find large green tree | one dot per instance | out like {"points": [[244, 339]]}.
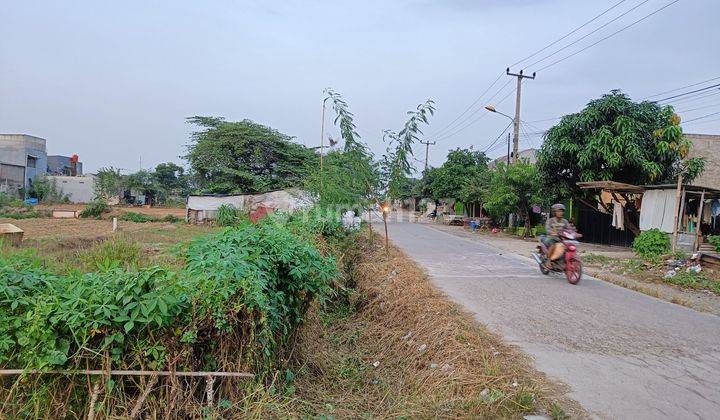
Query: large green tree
{"points": [[614, 139], [514, 189], [245, 157], [462, 176]]}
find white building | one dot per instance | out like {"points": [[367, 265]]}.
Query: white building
{"points": [[79, 189]]}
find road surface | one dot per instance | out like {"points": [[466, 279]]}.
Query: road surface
{"points": [[624, 354]]}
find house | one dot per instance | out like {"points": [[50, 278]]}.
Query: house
{"points": [[203, 208], [64, 165], [707, 146], [22, 159], [528, 154], [78, 189]]}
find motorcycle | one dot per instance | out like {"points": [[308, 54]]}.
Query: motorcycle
{"points": [[569, 263]]}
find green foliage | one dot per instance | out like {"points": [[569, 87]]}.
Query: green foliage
{"points": [[251, 283], [114, 253], [651, 243], [109, 183], [95, 209], [463, 176], [227, 215], [396, 163], [513, 188], [616, 139], [245, 157], [46, 190], [169, 218], [697, 281], [136, 217], [715, 241]]}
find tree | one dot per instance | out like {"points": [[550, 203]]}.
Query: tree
{"points": [[245, 157], [170, 179], [514, 189], [462, 176], [109, 183], [615, 139]]}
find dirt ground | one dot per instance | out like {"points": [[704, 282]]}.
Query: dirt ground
{"points": [[158, 212]]}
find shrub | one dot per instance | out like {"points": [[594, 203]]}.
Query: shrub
{"points": [[95, 209], [715, 240], [651, 243], [114, 253], [227, 215], [136, 217], [171, 218]]}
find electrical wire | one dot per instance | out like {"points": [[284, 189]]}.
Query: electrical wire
{"points": [[567, 34], [474, 121], [687, 93], [700, 107], [498, 138], [609, 36], [586, 35], [696, 97], [437, 133], [705, 121], [680, 88], [703, 117]]}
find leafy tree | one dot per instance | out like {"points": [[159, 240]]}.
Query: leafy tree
{"points": [[349, 177], [245, 157], [463, 176], [613, 138], [514, 189], [109, 183]]}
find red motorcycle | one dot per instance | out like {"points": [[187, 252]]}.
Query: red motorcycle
{"points": [[569, 263]]}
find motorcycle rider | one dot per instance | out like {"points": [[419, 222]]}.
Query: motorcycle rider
{"points": [[554, 225]]}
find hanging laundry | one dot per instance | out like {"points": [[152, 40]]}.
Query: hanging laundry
{"points": [[618, 219], [707, 213]]}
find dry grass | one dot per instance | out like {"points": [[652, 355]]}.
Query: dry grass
{"points": [[402, 349]]}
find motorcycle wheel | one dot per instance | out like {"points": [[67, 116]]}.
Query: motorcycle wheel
{"points": [[574, 271]]}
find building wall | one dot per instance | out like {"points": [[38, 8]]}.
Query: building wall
{"points": [[707, 146], [60, 165], [15, 149], [79, 189]]}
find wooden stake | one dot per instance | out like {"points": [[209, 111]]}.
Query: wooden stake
{"points": [[209, 391], [678, 195], [138, 405]]}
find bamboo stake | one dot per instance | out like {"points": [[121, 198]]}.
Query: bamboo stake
{"points": [[138, 405], [93, 400]]}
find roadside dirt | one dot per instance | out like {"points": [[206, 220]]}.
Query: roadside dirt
{"points": [[158, 212]]}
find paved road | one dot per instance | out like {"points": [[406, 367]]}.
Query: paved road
{"points": [[624, 354]]}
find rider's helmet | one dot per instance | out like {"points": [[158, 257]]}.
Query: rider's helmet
{"points": [[558, 207]]}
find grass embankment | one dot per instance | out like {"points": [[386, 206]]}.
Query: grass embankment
{"points": [[396, 347]]}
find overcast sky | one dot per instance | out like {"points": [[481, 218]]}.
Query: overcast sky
{"points": [[114, 81]]}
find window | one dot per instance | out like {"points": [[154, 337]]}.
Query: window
{"points": [[31, 161]]}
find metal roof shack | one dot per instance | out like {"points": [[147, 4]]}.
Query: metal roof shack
{"points": [[203, 208]]}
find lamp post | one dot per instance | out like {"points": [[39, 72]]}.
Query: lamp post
{"points": [[491, 108], [322, 142]]}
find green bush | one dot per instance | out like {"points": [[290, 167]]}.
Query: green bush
{"points": [[171, 218], [714, 240], [540, 230], [244, 288], [651, 244], [227, 215], [95, 209], [136, 217]]}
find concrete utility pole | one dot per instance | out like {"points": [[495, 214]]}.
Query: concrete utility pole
{"points": [[516, 120], [427, 150], [508, 156]]}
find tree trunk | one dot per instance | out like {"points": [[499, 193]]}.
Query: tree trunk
{"points": [[527, 223], [387, 239]]}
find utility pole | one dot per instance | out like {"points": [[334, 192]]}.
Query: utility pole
{"points": [[427, 150], [322, 142], [516, 120], [508, 156]]}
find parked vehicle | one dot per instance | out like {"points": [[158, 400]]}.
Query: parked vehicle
{"points": [[569, 263]]}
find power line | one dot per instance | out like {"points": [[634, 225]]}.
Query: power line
{"points": [[700, 107], [567, 35], [611, 35], [706, 121], [470, 123], [696, 97], [469, 107], [687, 93], [680, 88], [587, 35], [703, 117], [498, 138]]}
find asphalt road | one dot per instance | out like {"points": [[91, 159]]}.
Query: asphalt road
{"points": [[625, 355]]}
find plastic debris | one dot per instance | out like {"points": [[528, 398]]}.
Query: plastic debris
{"points": [[376, 363], [670, 274], [433, 366], [694, 269], [422, 347]]}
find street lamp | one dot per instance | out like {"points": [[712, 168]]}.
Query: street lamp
{"points": [[491, 108]]}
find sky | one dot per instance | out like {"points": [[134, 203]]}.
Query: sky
{"points": [[115, 81]]}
